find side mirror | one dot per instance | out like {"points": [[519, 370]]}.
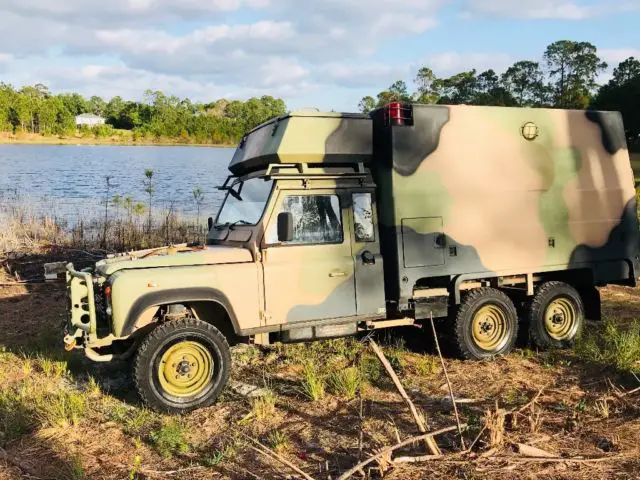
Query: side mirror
{"points": [[210, 223], [285, 227]]}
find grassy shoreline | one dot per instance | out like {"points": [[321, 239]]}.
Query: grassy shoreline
{"points": [[37, 139]]}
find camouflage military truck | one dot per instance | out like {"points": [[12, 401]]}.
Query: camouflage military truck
{"points": [[490, 219]]}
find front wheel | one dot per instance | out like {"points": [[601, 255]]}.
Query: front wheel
{"points": [[182, 365]]}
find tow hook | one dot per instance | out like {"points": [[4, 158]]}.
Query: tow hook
{"points": [[69, 345]]}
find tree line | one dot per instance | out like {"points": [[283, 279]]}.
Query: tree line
{"points": [[34, 109], [566, 78]]}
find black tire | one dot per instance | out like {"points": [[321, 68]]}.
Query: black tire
{"points": [[502, 316], [204, 344], [568, 302]]}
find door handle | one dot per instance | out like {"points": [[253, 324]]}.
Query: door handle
{"points": [[338, 273]]}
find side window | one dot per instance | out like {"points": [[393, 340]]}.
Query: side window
{"points": [[316, 219], [363, 217]]}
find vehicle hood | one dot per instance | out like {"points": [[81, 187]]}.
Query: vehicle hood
{"points": [[178, 256]]}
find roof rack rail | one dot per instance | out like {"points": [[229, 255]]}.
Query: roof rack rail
{"points": [[352, 170]]}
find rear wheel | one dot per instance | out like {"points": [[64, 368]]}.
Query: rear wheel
{"points": [[486, 324], [556, 315], [182, 365]]}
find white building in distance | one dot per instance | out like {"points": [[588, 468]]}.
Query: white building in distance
{"points": [[89, 119]]}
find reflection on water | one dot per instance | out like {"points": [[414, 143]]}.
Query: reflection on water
{"points": [[68, 181]]}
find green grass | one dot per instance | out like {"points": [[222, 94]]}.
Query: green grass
{"points": [[346, 382], [278, 441], [264, 407], [313, 381], [15, 418], [170, 438], [614, 346], [61, 408]]}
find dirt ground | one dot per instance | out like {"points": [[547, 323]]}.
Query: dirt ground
{"points": [[65, 417]]}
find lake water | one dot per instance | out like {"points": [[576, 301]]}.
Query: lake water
{"points": [[68, 181]]}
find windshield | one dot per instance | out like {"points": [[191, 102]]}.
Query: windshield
{"points": [[245, 202]]}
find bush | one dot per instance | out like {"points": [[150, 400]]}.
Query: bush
{"points": [[346, 383], [313, 383], [613, 346], [170, 439]]}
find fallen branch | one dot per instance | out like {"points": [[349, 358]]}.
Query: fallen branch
{"points": [[533, 452], [554, 459], [446, 376], [418, 459], [267, 452], [361, 432], [473, 444], [630, 392], [389, 450], [530, 402], [169, 472], [429, 441]]}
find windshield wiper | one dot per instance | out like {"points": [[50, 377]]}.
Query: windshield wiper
{"points": [[239, 222], [230, 225]]}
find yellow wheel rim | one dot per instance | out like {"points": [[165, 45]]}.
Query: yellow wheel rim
{"points": [[185, 369], [561, 319], [490, 328]]}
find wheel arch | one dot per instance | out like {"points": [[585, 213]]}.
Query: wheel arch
{"points": [[201, 299]]}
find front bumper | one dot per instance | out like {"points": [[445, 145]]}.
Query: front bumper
{"points": [[81, 308]]}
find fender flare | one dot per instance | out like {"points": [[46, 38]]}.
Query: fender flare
{"points": [[179, 295]]}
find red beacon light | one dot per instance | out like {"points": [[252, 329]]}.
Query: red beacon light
{"points": [[399, 114]]}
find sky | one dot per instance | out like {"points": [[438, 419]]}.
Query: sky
{"points": [[324, 54]]}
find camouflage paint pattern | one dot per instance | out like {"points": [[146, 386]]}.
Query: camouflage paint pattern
{"points": [[465, 192], [459, 192], [306, 137]]}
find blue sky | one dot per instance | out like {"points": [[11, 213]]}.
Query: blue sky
{"points": [[324, 54]]}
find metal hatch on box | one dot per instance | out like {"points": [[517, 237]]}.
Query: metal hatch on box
{"points": [[423, 241]]}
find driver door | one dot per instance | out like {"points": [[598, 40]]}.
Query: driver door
{"points": [[312, 276]]}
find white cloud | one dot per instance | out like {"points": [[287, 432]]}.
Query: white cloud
{"points": [[112, 80], [447, 63], [548, 9], [613, 56], [362, 75], [125, 11], [204, 48]]}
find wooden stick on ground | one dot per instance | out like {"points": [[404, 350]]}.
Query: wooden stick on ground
{"points": [[361, 427], [446, 376], [267, 452], [555, 459], [389, 450], [530, 402], [429, 441]]}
